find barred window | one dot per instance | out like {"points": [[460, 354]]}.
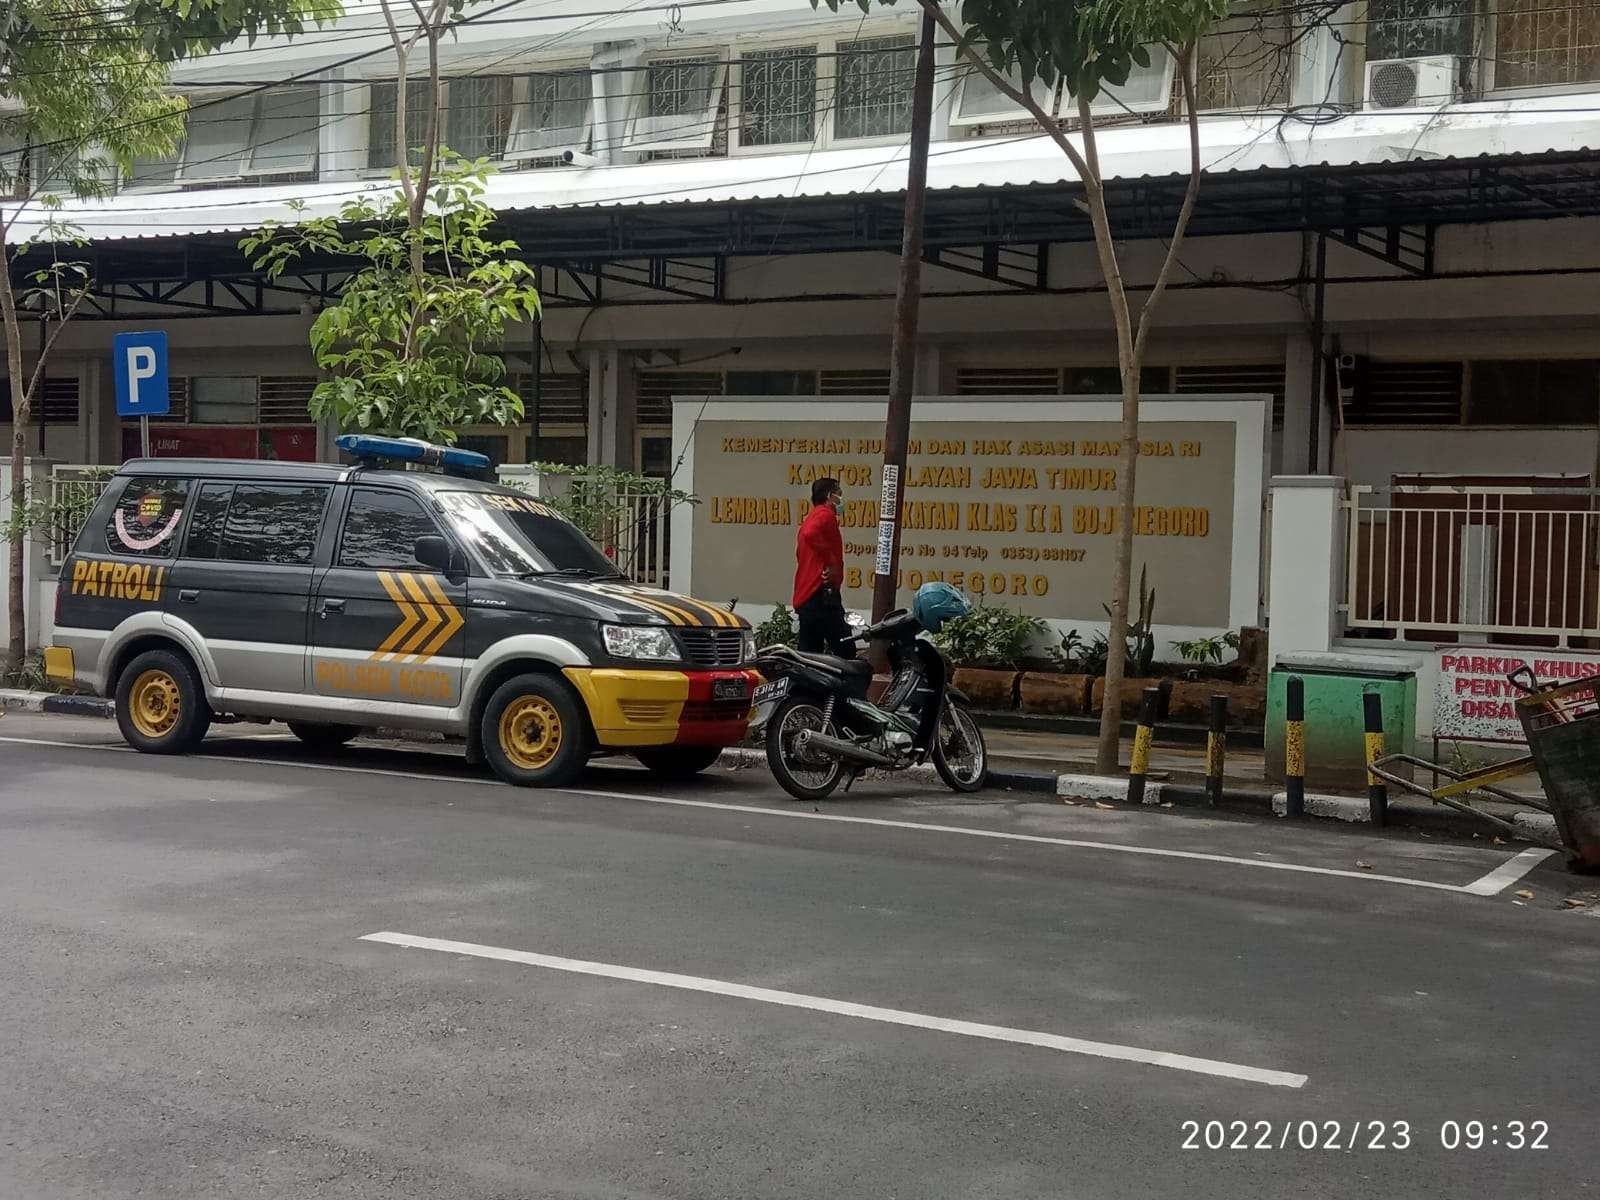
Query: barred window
{"points": [[1245, 61], [682, 99], [778, 96], [553, 114], [1418, 28], [876, 77], [1543, 42]]}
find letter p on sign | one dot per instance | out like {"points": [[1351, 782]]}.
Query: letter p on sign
{"points": [[140, 363]]}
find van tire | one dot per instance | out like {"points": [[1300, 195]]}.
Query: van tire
{"points": [[677, 763], [321, 737], [161, 706], [535, 733]]}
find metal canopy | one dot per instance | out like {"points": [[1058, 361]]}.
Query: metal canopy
{"points": [[679, 252]]}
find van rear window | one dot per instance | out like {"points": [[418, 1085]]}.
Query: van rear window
{"points": [[145, 521]]}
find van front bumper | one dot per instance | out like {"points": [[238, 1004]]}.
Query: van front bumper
{"points": [[630, 707]]}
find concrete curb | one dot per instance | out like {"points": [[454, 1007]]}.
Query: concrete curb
{"points": [[49, 702]]}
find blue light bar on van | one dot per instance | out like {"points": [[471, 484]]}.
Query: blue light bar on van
{"points": [[395, 449]]}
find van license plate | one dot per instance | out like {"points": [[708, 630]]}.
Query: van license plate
{"points": [[767, 693], [729, 689]]}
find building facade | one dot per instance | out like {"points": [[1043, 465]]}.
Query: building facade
{"points": [[1397, 238]]}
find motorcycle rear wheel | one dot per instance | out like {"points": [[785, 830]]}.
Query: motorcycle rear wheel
{"points": [[804, 778], [959, 754]]}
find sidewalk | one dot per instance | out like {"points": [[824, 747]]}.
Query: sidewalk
{"points": [[1063, 764]]}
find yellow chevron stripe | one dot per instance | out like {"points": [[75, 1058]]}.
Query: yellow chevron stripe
{"points": [[409, 616], [432, 617], [716, 616], [452, 617]]}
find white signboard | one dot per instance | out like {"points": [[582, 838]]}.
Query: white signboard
{"points": [[1474, 701]]}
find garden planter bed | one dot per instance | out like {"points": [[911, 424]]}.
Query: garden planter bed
{"points": [[1053, 694]]}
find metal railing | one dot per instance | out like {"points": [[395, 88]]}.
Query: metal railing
{"points": [[1473, 560], [632, 528], [74, 489], [636, 535]]}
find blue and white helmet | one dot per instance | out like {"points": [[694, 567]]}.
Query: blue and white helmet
{"points": [[936, 603]]}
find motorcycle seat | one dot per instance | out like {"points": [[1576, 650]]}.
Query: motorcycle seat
{"points": [[850, 668]]}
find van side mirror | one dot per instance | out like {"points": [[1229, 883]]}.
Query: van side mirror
{"points": [[431, 550]]}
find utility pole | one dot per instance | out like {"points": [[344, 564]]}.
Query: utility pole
{"points": [[903, 356]]}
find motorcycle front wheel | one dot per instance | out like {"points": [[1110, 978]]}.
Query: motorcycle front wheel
{"points": [[959, 754], [805, 777]]}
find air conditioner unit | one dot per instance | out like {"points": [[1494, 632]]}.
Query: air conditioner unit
{"points": [[1413, 82]]}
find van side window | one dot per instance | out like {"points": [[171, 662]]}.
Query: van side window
{"points": [[205, 526], [273, 523], [380, 530], [145, 521]]}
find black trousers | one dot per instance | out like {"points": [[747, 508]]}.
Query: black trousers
{"points": [[823, 627]]}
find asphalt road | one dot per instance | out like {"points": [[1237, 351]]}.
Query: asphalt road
{"points": [[898, 994]]}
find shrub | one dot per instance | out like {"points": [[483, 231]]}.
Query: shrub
{"points": [[776, 630], [989, 637]]}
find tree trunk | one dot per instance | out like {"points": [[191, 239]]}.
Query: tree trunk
{"points": [[1106, 750], [16, 532]]}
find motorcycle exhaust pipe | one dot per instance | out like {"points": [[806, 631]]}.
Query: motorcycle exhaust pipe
{"points": [[811, 740]]}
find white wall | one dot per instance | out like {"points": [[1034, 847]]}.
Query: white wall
{"points": [[1374, 456]]}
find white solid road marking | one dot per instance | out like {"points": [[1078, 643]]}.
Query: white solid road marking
{"points": [[1497, 880], [846, 1008], [1508, 872]]}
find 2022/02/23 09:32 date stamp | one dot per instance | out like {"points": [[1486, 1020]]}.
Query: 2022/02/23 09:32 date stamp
{"points": [[1352, 1135]]}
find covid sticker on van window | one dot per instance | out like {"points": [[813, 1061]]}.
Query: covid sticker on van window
{"points": [[146, 519]]}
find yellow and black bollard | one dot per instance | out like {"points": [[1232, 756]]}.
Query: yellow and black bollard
{"points": [[1377, 792], [1216, 749], [1139, 765], [1294, 746]]}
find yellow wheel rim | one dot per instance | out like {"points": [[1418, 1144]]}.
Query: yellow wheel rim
{"points": [[154, 704], [530, 732]]}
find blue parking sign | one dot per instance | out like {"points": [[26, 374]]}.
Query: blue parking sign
{"points": [[140, 360]]}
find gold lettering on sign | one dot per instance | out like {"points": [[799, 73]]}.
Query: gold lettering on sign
{"points": [[1010, 478], [942, 477], [751, 510]]}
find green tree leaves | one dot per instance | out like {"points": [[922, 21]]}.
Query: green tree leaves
{"points": [[413, 355]]}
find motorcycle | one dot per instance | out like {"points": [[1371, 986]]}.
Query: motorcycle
{"points": [[822, 730]]}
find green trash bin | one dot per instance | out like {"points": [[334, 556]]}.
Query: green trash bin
{"points": [[1335, 742]]}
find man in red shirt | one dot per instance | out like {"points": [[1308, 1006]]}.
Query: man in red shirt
{"points": [[819, 574]]}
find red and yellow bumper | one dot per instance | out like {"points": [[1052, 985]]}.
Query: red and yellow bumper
{"points": [[664, 708]]}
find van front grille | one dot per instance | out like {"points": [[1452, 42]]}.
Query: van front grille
{"points": [[712, 647]]}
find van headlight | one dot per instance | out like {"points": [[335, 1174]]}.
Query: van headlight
{"points": [[749, 643], [640, 641]]}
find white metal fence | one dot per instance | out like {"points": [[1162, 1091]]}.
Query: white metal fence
{"points": [[631, 527], [1473, 560], [73, 490]]}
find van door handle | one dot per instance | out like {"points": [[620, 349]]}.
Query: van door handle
{"points": [[188, 595], [332, 606]]}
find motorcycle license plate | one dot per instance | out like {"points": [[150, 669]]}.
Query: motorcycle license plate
{"points": [[729, 689], [767, 693]]}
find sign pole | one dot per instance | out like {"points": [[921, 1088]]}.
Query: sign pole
{"points": [[144, 437], [903, 356]]}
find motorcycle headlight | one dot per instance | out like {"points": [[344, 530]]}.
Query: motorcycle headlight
{"points": [[749, 645], [640, 641]]}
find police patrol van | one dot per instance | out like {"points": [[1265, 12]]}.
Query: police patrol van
{"points": [[338, 597]]}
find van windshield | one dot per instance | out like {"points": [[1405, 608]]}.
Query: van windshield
{"points": [[518, 535]]}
